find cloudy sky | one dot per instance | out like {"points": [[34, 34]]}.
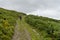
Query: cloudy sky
{"points": [[48, 8]]}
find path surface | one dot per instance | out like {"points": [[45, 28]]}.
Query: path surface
{"points": [[16, 35], [21, 33]]}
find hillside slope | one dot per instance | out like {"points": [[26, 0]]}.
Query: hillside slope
{"points": [[30, 27], [48, 28]]}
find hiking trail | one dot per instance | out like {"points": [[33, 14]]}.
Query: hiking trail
{"points": [[23, 31]]}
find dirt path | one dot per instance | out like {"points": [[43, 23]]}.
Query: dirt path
{"points": [[16, 35], [21, 33]]}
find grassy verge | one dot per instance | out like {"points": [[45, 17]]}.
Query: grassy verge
{"points": [[33, 34]]}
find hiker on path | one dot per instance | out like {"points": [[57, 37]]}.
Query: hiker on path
{"points": [[20, 17]]}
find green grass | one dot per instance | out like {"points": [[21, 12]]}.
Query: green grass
{"points": [[23, 25], [33, 34]]}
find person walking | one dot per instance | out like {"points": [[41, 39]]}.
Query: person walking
{"points": [[20, 17]]}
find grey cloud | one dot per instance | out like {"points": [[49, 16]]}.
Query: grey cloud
{"points": [[30, 5], [33, 6], [19, 5]]}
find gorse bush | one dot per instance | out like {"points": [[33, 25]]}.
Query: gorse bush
{"points": [[50, 26]]}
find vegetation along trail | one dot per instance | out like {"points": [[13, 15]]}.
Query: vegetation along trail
{"points": [[23, 31]]}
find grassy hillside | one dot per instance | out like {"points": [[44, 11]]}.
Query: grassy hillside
{"points": [[30, 27], [7, 23], [48, 28]]}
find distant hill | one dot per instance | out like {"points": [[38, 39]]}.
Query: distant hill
{"points": [[30, 27]]}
